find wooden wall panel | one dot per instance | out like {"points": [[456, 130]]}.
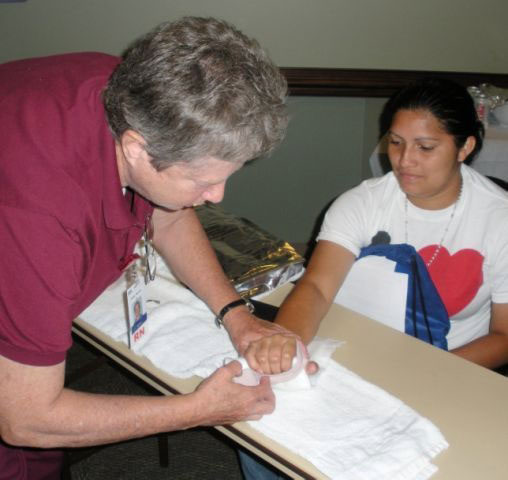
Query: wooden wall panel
{"points": [[372, 83]]}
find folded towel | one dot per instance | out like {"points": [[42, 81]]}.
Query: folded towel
{"points": [[347, 427], [353, 430], [181, 336]]}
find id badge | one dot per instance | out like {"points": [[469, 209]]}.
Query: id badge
{"points": [[137, 313]]}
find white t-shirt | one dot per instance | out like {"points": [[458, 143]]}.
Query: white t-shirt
{"points": [[471, 268]]}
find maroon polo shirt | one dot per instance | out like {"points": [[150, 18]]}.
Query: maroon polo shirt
{"points": [[65, 224], [66, 229]]}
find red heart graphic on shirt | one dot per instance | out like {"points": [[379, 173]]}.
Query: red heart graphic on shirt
{"points": [[457, 277]]}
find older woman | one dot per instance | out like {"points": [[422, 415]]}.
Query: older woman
{"points": [[95, 151], [455, 218]]}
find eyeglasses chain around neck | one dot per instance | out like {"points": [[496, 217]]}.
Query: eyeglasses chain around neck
{"points": [[438, 248]]}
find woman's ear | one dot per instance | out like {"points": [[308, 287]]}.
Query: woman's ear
{"points": [[467, 148], [133, 147]]}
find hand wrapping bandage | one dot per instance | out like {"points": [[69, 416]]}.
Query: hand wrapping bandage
{"points": [[295, 378]]}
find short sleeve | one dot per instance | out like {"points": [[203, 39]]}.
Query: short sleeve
{"points": [[499, 265], [345, 222], [41, 271]]}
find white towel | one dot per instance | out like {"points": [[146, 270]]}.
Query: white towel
{"points": [[182, 338], [348, 428], [353, 430]]}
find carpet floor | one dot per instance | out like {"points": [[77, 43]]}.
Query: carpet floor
{"points": [[193, 454]]}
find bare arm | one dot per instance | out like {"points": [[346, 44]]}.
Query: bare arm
{"points": [[304, 308], [308, 303], [181, 240], [490, 351], [35, 409]]}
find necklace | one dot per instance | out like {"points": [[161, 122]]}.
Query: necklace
{"points": [[438, 248]]}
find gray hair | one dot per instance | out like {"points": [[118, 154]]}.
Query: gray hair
{"points": [[198, 87]]}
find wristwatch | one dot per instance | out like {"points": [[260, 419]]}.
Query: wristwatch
{"points": [[219, 319]]}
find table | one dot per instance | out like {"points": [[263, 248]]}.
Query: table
{"points": [[492, 160], [467, 402]]}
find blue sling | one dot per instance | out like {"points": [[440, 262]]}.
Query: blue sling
{"points": [[426, 315]]}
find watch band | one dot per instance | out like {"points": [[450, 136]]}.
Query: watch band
{"points": [[219, 319]]}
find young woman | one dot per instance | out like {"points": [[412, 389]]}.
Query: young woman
{"points": [[456, 219]]}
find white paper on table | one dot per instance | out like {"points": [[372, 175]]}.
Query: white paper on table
{"points": [[374, 289]]}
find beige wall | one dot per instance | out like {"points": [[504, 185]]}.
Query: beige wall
{"points": [[320, 157], [329, 139], [460, 35]]}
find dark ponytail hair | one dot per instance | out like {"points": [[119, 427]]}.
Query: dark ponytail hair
{"points": [[448, 101]]}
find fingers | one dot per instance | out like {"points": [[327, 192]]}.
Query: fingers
{"points": [[273, 354], [312, 368], [287, 354], [261, 400], [266, 396], [280, 355], [234, 367], [253, 329], [222, 401]]}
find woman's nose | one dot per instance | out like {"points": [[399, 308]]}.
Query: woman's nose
{"points": [[405, 157]]}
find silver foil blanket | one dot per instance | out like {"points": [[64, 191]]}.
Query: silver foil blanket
{"points": [[255, 260]]}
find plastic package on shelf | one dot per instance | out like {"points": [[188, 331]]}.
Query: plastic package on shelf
{"points": [[490, 103]]}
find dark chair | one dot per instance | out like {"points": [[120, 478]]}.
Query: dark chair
{"points": [[503, 184], [499, 181]]}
